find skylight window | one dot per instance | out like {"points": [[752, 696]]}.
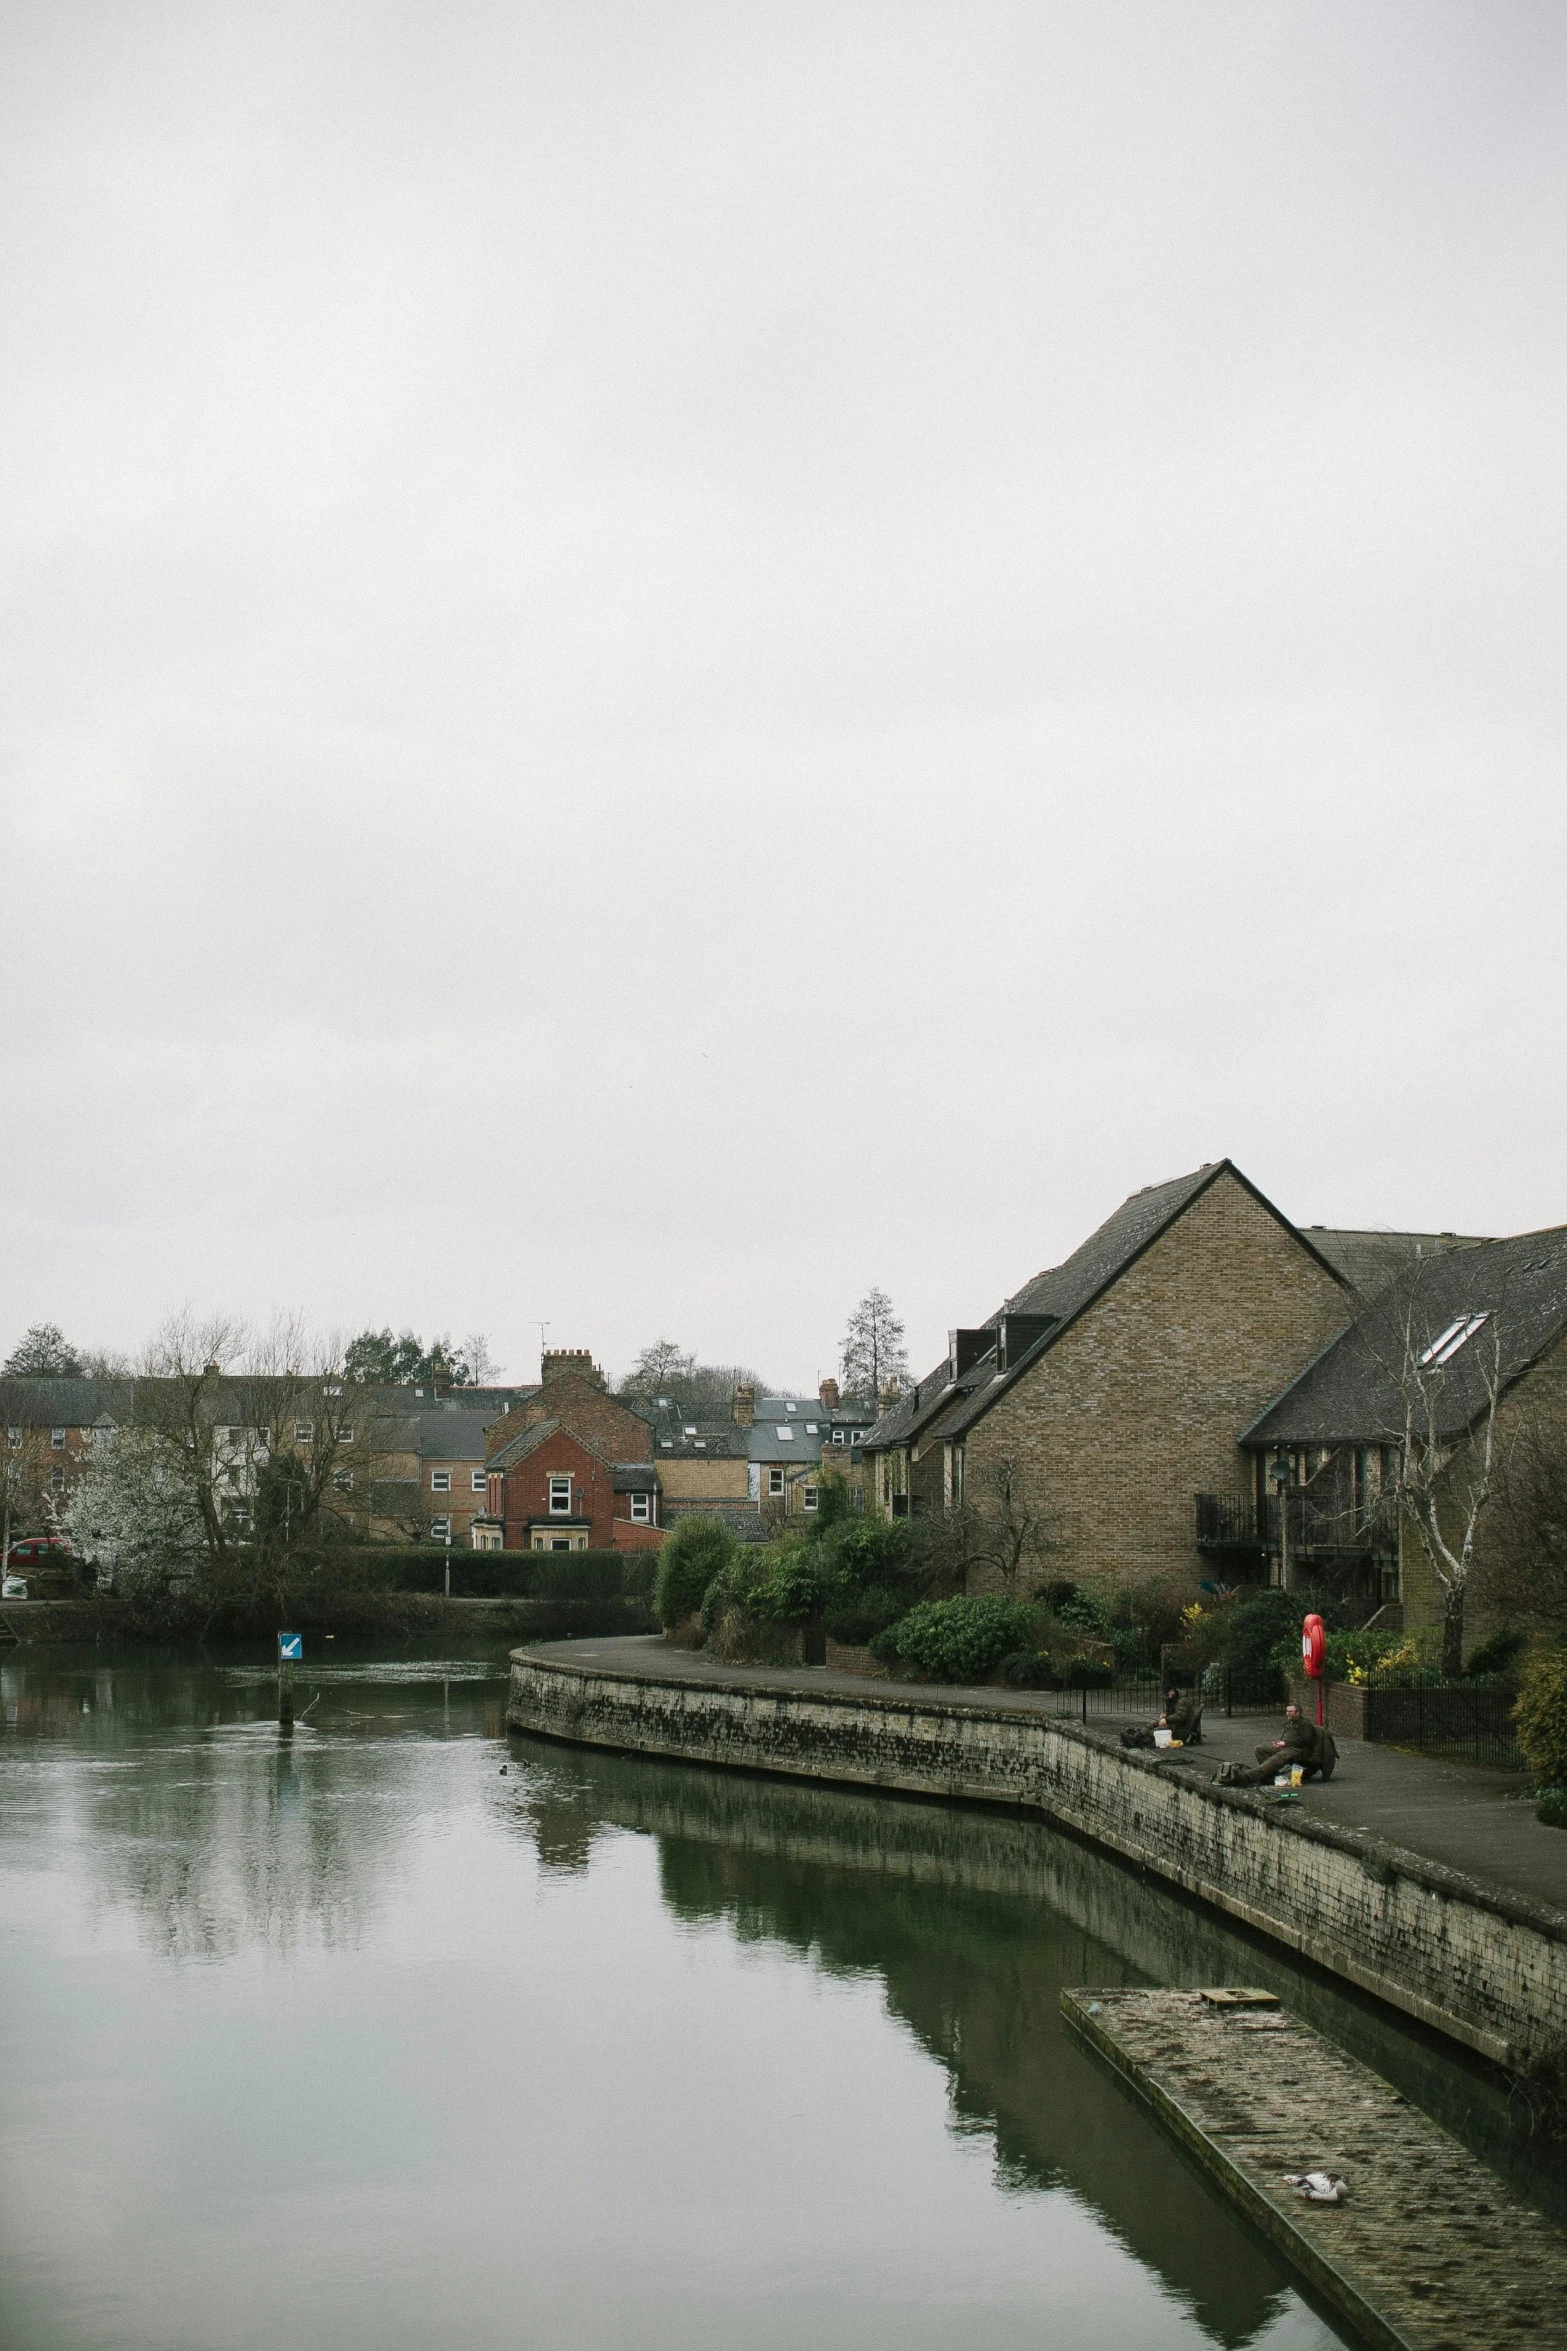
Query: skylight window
{"points": [[1456, 1335], [688, 1428], [785, 1433]]}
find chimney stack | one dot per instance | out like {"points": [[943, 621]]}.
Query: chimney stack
{"points": [[828, 1392], [574, 1363], [744, 1407]]}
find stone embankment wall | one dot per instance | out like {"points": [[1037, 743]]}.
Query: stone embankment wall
{"points": [[1488, 1968]]}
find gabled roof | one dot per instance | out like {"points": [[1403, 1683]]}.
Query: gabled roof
{"points": [[1062, 1292], [1353, 1392], [529, 1439]]}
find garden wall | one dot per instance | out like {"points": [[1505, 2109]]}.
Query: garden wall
{"points": [[1488, 1968]]}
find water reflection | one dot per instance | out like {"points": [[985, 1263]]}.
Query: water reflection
{"points": [[221, 1829], [560, 2044]]}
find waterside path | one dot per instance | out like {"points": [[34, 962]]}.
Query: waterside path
{"points": [[1430, 2252]]}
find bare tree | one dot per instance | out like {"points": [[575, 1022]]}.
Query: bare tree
{"points": [[1525, 1568], [1000, 1529], [1446, 1475], [873, 1352]]}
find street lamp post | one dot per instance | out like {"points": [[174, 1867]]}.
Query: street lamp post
{"points": [[1283, 1476]]}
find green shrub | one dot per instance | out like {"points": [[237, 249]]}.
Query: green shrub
{"points": [[955, 1640], [1087, 1673], [857, 1613], [1498, 1654], [791, 1587], [695, 1554], [1541, 1716], [1551, 1808]]}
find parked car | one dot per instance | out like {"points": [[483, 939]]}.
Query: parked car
{"points": [[36, 1551]]}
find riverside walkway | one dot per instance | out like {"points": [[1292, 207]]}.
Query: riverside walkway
{"points": [[1429, 2251], [1462, 1816]]}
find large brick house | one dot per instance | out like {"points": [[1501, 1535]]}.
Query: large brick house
{"points": [[1112, 1389], [571, 1467], [1448, 1325]]}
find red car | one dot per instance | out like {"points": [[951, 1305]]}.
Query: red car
{"points": [[36, 1551]]}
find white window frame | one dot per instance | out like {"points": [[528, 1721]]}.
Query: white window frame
{"points": [[57, 1440], [440, 1481], [642, 1509], [560, 1496], [440, 1528], [481, 1483], [342, 1481], [808, 1498], [775, 1481], [304, 1432], [1457, 1334]]}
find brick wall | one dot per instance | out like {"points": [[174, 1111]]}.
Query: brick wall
{"points": [[599, 1420], [527, 1490], [1488, 1969], [1137, 1407]]}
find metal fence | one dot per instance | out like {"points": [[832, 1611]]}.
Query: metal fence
{"points": [[1468, 1726], [1224, 1692]]}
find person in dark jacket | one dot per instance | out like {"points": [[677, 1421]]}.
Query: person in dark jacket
{"points": [[1181, 1716], [1301, 1744]]}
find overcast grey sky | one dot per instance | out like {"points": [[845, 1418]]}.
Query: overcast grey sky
{"points": [[662, 660]]}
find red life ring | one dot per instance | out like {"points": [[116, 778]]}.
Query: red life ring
{"points": [[1313, 1647]]}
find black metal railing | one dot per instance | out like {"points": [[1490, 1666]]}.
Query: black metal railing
{"points": [[1233, 1522], [1468, 1726], [1225, 1691]]}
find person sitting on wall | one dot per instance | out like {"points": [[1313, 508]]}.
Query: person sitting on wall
{"points": [[1182, 1718], [1302, 1744]]}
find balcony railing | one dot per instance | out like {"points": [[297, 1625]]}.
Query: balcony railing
{"points": [[1233, 1522]]}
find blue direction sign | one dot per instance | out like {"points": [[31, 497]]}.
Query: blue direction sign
{"points": [[290, 1645]]}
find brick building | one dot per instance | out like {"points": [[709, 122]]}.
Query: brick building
{"points": [[1450, 1323], [1113, 1388], [571, 1467]]}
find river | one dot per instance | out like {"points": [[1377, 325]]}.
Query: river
{"points": [[353, 2037]]}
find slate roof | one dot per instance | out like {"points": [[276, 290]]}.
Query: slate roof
{"points": [[452, 1436], [715, 1440], [1351, 1393], [1062, 1291], [1368, 1261], [64, 1404], [636, 1477], [528, 1440]]}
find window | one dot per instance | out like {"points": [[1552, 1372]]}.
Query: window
{"points": [[810, 1497], [784, 1435], [343, 1481], [560, 1543], [1456, 1335], [701, 1445], [837, 1436], [775, 1481], [57, 1480], [791, 1408], [440, 1481], [688, 1428], [560, 1497], [642, 1507], [57, 1439], [441, 1529], [13, 1438], [345, 1432], [304, 1432], [810, 1428], [480, 1482]]}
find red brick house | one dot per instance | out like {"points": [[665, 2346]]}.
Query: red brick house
{"points": [[551, 1492]]}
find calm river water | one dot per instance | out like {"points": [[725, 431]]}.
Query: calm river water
{"points": [[349, 2038]]}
